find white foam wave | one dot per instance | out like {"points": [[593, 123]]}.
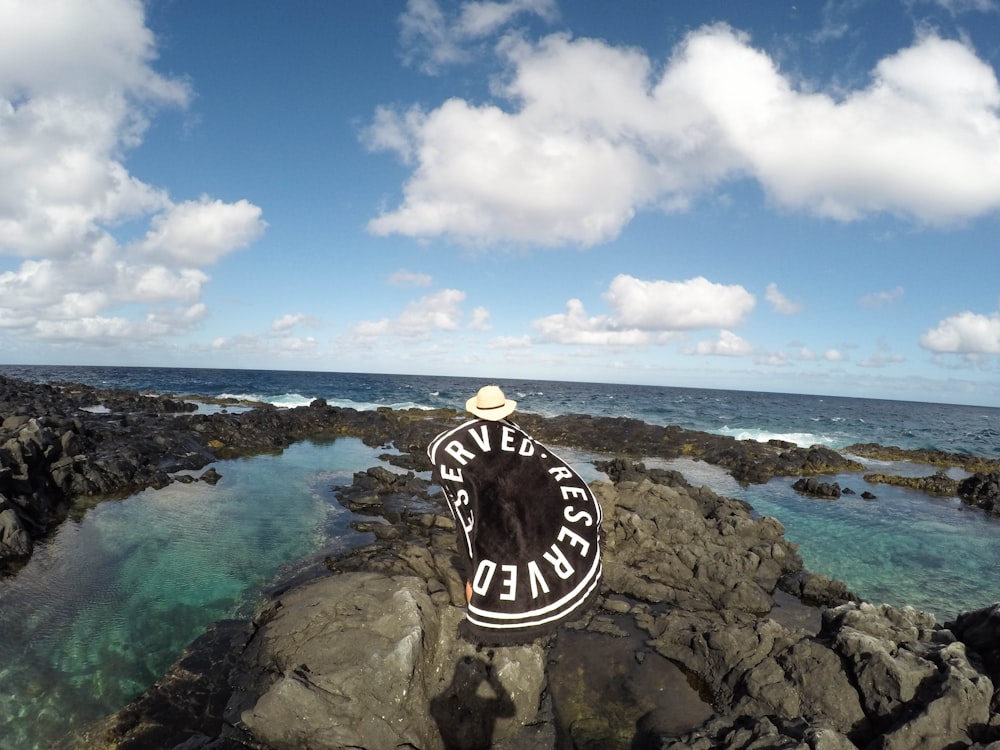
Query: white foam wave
{"points": [[803, 439], [291, 400]]}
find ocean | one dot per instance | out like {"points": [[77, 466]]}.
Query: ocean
{"points": [[109, 601]]}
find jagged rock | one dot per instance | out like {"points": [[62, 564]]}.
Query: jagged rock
{"points": [[366, 660], [938, 484], [814, 488], [15, 541], [376, 636], [691, 580], [981, 491]]}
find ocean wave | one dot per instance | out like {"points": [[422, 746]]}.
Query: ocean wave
{"points": [[803, 439], [292, 400]]}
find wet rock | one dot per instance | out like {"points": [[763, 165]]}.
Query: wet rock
{"points": [[814, 488], [924, 456], [981, 491], [15, 541], [938, 484]]}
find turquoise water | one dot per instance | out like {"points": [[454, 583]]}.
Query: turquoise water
{"points": [[903, 548], [107, 604]]}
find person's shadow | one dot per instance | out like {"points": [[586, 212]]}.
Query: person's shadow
{"points": [[467, 710]]}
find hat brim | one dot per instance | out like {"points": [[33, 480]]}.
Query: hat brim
{"points": [[494, 414]]}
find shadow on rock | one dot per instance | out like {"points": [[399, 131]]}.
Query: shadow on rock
{"points": [[467, 710]]}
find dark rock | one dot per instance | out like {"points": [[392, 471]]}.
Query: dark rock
{"points": [[685, 648], [15, 541], [938, 484], [689, 595], [814, 488], [924, 456], [211, 476], [981, 491]]}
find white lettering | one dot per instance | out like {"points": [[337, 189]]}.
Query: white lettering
{"points": [[527, 448], [484, 576], [580, 515], [578, 493], [559, 562], [575, 540], [482, 437], [453, 475], [560, 473], [458, 451], [507, 439], [535, 576], [509, 583]]}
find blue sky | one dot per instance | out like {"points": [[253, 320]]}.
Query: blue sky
{"points": [[762, 196]]}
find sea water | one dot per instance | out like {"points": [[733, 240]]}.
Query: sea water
{"points": [[107, 603]]}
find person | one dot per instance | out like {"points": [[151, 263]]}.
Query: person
{"points": [[528, 525]]}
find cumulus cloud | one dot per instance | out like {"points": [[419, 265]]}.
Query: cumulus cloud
{"points": [[439, 311], [77, 91], [677, 305], [584, 134], [728, 344], [647, 311], [200, 232], [780, 302], [575, 326], [964, 333]]}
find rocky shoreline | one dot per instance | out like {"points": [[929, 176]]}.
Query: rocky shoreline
{"points": [[708, 632]]}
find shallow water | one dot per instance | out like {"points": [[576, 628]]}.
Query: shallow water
{"points": [[107, 604], [903, 548]]}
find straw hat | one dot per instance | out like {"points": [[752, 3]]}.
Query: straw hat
{"points": [[490, 403]]}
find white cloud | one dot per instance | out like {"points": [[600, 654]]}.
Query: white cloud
{"points": [[298, 345], [197, 233], [648, 311], [480, 320], [77, 89], [592, 133], [439, 311], [287, 322], [677, 305], [964, 333], [576, 327], [780, 302], [433, 39], [727, 345], [958, 7]]}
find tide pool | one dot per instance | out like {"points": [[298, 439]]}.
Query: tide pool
{"points": [[903, 548], [108, 602]]}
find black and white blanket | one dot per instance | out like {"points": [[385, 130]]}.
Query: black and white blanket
{"points": [[528, 527]]}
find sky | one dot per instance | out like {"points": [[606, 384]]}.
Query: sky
{"points": [[789, 197]]}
